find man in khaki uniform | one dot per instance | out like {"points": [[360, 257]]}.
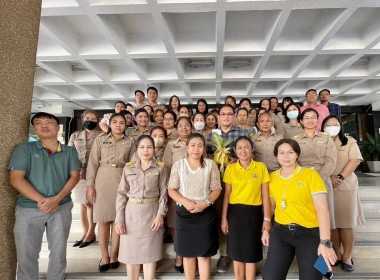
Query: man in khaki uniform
{"points": [[264, 142], [152, 97], [319, 153]]}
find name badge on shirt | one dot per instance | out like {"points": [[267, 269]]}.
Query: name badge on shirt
{"points": [[153, 173], [321, 142], [217, 131], [176, 146], [131, 174], [254, 176]]}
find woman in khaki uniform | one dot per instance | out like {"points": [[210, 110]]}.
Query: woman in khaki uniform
{"points": [[170, 119], [176, 150], [291, 126], [82, 141], [348, 210], [158, 133], [318, 152], [108, 156], [142, 120], [140, 211]]}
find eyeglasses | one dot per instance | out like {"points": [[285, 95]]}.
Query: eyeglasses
{"points": [[226, 114], [168, 119], [310, 118], [311, 94], [185, 125]]}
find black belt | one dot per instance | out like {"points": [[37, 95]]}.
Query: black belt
{"points": [[294, 227]]}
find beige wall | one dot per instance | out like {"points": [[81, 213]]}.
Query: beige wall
{"points": [[19, 25]]}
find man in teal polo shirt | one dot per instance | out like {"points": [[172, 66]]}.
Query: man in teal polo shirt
{"points": [[44, 173]]}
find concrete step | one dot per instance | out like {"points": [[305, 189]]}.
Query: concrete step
{"points": [[369, 191], [87, 269]]}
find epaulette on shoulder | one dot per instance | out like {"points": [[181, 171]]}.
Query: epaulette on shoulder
{"points": [[252, 134], [323, 133], [160, 163], [279, 134], [297, 136], [102, 133], [130, 163], [131, 138]]}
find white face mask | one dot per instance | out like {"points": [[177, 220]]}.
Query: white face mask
{"points": [[332, 130], [199, 125], [158, 142], [292, 115]]}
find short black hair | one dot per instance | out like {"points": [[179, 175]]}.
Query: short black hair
{"points": [[174, 115], [243, 109], [309, 90], [325, 89], [245, 99], [152, 88], [129, 104], [159, 128], [142, 137], [227, 105], [230, 97], [120, 102], [137, 90], [307, 111], [138, 111], [273, 97], [44, 115]]}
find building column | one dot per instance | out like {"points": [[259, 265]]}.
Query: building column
{"points": [[19, 26]]}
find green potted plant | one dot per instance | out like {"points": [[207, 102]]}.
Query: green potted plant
{"points": [[371, 149]]}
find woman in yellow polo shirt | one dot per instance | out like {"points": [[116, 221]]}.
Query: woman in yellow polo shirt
{"points": [[246, 194], [302, 221]]}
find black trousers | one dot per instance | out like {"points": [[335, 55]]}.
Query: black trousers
{"points": [[284, 244]]}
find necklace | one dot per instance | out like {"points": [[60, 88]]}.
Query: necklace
{"points": [[283, 201]]}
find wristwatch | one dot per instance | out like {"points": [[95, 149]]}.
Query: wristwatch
{"points": [[208, 202], [340, 176], [326, 242]]}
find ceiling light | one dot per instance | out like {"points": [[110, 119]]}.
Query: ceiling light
{"points": [[238, 62], [198, 63], [78, 67]]}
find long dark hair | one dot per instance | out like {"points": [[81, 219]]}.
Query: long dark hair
{"points": [[287, 120], [205, 102], [288, 99], [170, 103], [200, 136], [341, 136]]}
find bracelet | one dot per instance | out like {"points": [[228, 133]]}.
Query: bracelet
{"points": [[267, 219]]}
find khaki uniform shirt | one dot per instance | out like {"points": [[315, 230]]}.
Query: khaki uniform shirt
{"points": [[108, 151], [173, 135], [134, 132], [289, 130], [174, 150], [317, 153], [140, 184], [264, 149], [158, 106], [83, 144]]}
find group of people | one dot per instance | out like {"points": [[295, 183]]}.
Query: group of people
{"points": [[289, 184]]}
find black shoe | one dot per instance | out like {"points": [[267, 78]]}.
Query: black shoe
{"points": [[348, 267], [168, 239], [77, 243], [338, 262], [114, 265], [179, 268], [86, 243], [104, 267]]}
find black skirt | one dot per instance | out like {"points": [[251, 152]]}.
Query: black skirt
{"points": [[244, 238], [196, 235]]}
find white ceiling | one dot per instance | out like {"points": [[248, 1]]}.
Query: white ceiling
{"points": [[124, 45]]}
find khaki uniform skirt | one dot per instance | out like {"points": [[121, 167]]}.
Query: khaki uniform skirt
{"points": [[141, 245], [79, 192], [106, 184]]}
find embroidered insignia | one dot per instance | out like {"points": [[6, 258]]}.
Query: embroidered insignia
{"points": [[176, 146], [130, 163], [160, 163], [130, 174], [321, 142], [153, 173], [323, 133]]}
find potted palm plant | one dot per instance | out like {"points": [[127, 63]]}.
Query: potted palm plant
{"points": [[371, 149]]}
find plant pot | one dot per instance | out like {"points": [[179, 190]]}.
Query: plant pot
{"points": [[374, 166]]}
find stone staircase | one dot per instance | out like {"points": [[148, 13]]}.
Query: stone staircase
{"points": [[82, 263]]}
